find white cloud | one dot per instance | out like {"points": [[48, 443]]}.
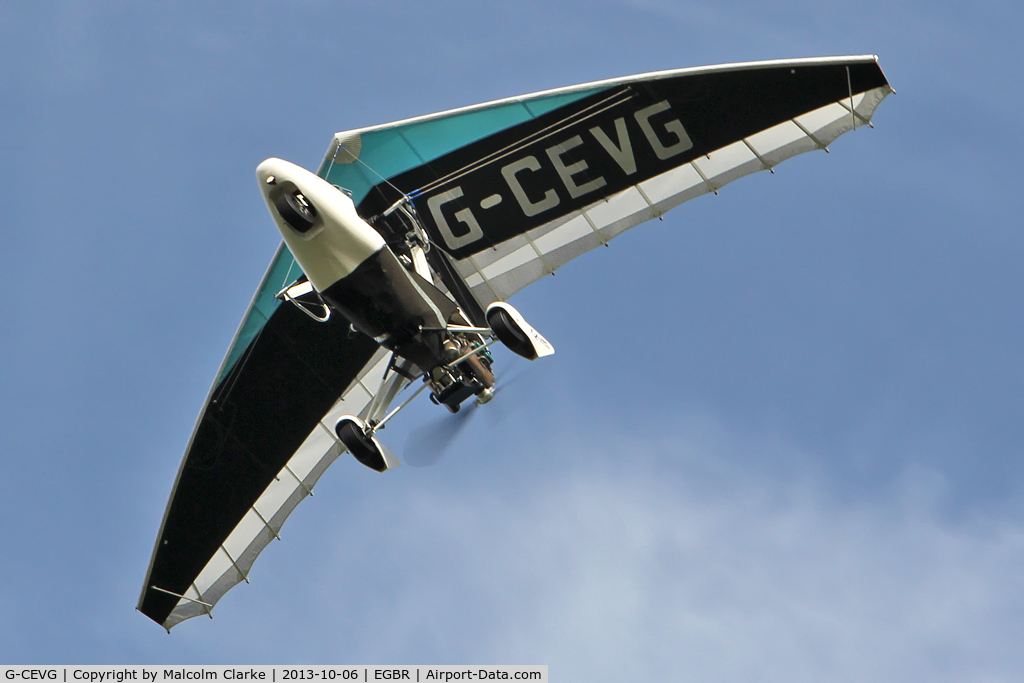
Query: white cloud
{"points": [[701, 571]]}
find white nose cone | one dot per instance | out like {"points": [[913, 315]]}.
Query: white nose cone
{"points": [[319, 222]]}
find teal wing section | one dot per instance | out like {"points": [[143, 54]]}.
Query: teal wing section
{"points": [[283, 270], [385, 151]]}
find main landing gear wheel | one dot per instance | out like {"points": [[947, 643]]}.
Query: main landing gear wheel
{"points": [[296, 211], [364, 448], [510, 334]]}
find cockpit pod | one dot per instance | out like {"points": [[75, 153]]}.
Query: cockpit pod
{"points": [[319, 223]]}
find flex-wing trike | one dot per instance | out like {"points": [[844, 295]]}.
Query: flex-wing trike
{"points": [[401, 252], [351, 270]]}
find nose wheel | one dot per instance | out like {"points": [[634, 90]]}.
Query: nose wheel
{"points": [[296, 211], [357, 438]]}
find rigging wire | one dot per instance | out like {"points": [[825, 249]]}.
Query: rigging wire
{"points": [[613, 100], [369, 168], [849, 85], [239, 366], [546, 132]]}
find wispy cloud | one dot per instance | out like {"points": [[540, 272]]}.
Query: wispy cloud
{"points": [[690, 567]]}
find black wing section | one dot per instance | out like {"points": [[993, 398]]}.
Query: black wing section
{"points": [[567, 159], [256, 418]]}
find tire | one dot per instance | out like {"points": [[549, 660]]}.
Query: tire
{"points": [[360, 446], [299, 215], [510, 334]]}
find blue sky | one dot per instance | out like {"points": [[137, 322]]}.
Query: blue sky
{"points": [[780, 438]]}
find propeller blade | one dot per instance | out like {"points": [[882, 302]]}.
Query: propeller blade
{"points": [[429, 443]]}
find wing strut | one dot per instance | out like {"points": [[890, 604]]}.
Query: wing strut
{"points": [[380, 425]]}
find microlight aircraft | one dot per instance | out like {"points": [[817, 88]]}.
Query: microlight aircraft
{"points": [[401, 251]]}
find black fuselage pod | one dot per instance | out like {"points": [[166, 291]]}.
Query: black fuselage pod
{"points": [[386, 301], [350, 265]]}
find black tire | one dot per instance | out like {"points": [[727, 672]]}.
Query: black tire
{"points": [[509, 333], [299, 214], [360, 446]]}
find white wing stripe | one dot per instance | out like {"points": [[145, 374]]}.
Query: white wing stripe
{"points": [[707, 183], [590, 221], [274, 496], [475, 275], [818, 143], [569, 232], [764, 163], [672, 183], [819, 119], [723, 166], [240, 538], [776, 137], [540, 254], [514, 260], [607, 213], [296, 478], [266, 523], [234, 564]]}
